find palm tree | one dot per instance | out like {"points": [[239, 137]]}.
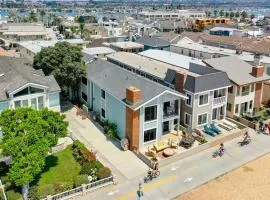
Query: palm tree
{"points": [[42, 14], [232, 14], [81, 29], [221, 13], [244, 14], [215, 12]]}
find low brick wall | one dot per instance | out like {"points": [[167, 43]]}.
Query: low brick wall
{"points": [[246, 122], [202, 147]]}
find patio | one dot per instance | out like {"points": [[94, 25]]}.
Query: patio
{"points": [[170, 146]]}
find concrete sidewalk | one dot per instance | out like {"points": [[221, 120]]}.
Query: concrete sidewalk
{"points": [[188, 173], [123, 164]]}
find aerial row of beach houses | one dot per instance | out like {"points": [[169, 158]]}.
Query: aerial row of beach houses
{"points": [[146, 87]]}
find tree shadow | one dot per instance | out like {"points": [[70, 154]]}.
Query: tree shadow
{"points": [[50, 161]]}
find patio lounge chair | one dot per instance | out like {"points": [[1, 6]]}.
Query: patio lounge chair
{"points": [[214, 128], [161, 145], [208, 131]]}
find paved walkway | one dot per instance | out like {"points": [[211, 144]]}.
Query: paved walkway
{"points": [[123, 164], [188, 173]]}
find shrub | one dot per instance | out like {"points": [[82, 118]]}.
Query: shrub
{"points": [[33, 193], [88, 168], [62, 187], [11, 194], [81, 153], [104, 172], [46, 189], [80, 179]]}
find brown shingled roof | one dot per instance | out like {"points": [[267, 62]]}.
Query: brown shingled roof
{"points": [[254, 45]]}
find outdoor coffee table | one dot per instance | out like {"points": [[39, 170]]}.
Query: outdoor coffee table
{"points": [[168, 152]]}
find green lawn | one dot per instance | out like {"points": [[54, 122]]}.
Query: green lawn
{"points": [[61, 169]]}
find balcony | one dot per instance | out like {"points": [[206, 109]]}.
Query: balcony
{"points": [[169, 112], [219, 100]]}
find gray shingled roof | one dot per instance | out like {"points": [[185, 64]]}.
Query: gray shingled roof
{"points": [[14, 73], [238, 70], [115, 80], [153, 41], [207, 82]]}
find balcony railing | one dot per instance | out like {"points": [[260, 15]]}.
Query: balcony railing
{"points": [[219, 100], [245, 93], [169, 113]]}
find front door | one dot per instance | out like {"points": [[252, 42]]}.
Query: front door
{"points": [[165, 126]]}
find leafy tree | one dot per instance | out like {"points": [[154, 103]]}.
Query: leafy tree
{"points": [[65, 62], [227, 14], [32, 17], [221, 13], [28, 136], [42, 14], [237, 14], [232, 14]]}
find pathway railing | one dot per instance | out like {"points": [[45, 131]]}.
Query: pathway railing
{"points": [[82, 190]]}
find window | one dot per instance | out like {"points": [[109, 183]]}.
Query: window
{"points": [[17, 104], [187, 119], [103, 113], [236, 109], [22, 92], [252, 88], [175, 121], [34, 103], [25, 103], [35, 90], [189, 100], [229, 107], [103, 94], [149, 135], [203, 99], [150, 113], [84, 97], [230, 89], [245, 90], [238, 91], [40, 103], [250, 104], [202, 119], [84, 80]]}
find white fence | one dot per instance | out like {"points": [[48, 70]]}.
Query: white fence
{"points": [[82, 190]]}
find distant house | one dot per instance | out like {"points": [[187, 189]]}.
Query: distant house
{"points": [[247, 80], [222, 31], [23, 86], [151, 42], [15, 32], [127, 46], [100, 52], [28, 49]]}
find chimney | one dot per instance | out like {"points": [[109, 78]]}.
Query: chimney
{"points": [[133, 95], [258, 69], [180, 79]]}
